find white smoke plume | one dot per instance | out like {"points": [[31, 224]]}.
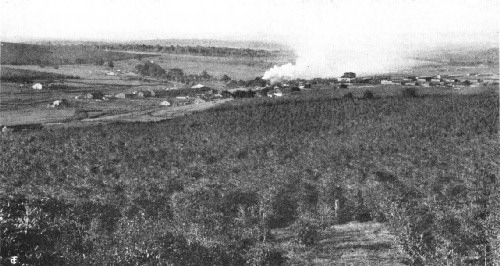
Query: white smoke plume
{"points": [[372, 37]]}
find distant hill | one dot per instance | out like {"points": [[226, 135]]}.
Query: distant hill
{"points": [[20, 53], [62, 52], [462, 55], [36, 54], [256, 45]]}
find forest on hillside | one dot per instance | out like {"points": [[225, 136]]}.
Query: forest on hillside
{"points": [[99, 53]]}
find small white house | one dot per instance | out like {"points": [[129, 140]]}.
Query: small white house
{"points": [[274, 93], [343, 80], [37, 86], [6, 129], [165, 103], [198, 86], [386, 82], [55, 104]]}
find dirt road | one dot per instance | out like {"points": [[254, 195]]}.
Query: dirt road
{"points": [[157, 114]]}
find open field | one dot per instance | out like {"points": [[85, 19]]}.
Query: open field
{"points": [[235, 68], [75, 80]]}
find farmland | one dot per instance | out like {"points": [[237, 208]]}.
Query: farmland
{"points": [[369, 174], [20, 103]]}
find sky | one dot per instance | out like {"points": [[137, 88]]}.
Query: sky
{"points": [[317, 30], [229, 19]]}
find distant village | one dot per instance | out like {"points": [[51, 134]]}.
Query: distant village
{"points": [[201, 93], [450, 81]]}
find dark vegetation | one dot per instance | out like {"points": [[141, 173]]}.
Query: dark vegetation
{"points": [[176, 74], [410, 92], [148, 68], [99, 54], [53, 55], [207, 189], [29, 76], [184, 92], [192, 50]]}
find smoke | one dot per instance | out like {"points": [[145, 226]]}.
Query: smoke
{"points": [[372, 37], [329, 62], [321, 57]]}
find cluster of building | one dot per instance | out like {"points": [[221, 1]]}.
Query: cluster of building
{"points": [[244, 92], [449, 81], [165, 93]]}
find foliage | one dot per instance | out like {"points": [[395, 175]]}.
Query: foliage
{"points": [[150, 69], [29, 76], [307, 232], [225, 78], [410, 92], [348, 95], [368, 94], [243, 94], [210, 187], [192, 50], [46, 54]]}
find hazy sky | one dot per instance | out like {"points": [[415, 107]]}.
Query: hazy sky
{"points": [[328, 37], [258, 19]]}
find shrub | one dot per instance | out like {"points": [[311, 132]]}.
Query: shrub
{"points": [[150, 69], [307, 233], [265, 254], [410, 92], [284, 208], [348, 95], [225, 78], [368, 94]]}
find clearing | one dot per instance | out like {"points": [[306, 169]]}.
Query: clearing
{"points": [[353, 243]]}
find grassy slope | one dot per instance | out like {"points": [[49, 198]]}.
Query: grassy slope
{"points": [[268, 147], [292, 130]]}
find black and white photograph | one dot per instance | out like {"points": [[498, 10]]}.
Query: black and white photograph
{"points": [[250, 132]]}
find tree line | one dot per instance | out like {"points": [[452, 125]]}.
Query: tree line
{"points": [[192, 50]]}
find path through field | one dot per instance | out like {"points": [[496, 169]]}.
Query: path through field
{"points": [[347, 244], [157, 114]]}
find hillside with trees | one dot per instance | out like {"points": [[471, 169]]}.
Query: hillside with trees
{"points": [[214, 188], [97, 53], [48, 55]]}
